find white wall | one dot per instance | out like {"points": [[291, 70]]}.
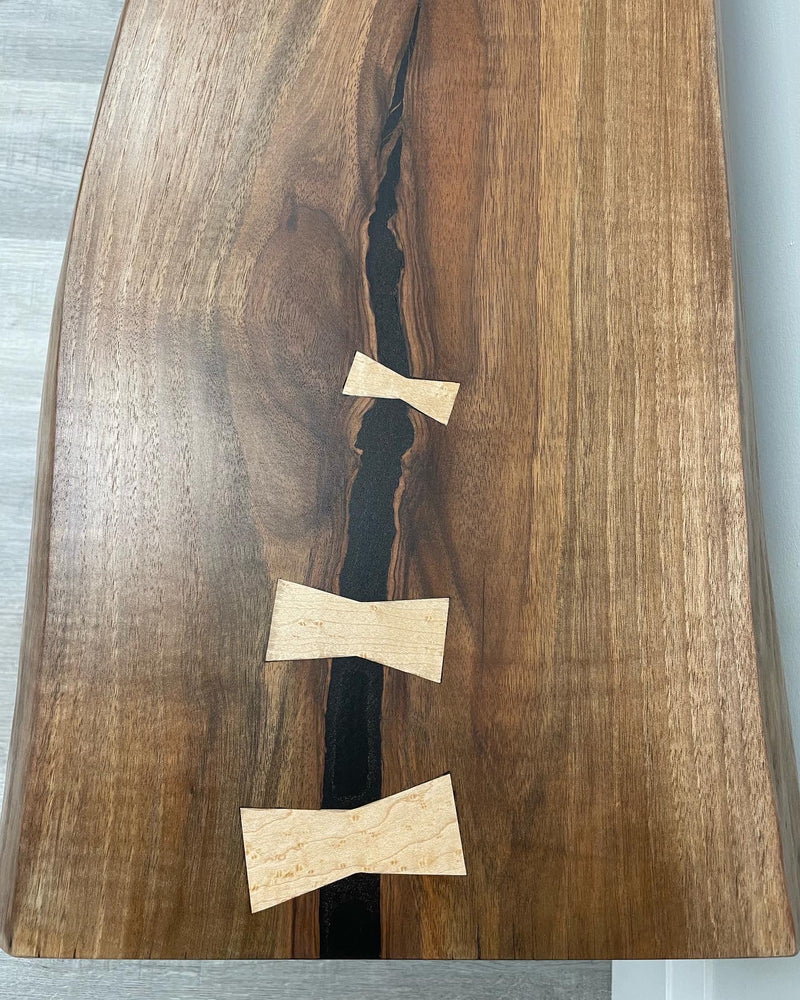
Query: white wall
{"points": [[760, 68]]}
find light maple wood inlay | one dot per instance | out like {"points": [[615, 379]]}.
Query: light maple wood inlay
{"points": [[293, 851], [370, 378], [309, 624]]}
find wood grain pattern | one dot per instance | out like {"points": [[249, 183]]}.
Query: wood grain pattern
{"points": [[38, 40], [309, 624], [368, 377], [291, 851], [544, 220]]}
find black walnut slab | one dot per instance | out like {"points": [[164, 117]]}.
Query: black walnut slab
{"points": [[526, 198]]}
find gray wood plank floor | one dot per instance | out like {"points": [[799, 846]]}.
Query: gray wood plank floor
{"points": [[52, 58]]}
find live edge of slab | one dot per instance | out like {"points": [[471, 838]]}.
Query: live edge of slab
{"points": [[525, 199]]}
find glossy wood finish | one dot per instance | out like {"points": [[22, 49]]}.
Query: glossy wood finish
{"points": [[45, 123], [561, 210]]}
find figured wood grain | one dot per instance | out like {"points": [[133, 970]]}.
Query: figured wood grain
{"points": [[544, 220], [292, 851], [368, 377], [309, 624]]}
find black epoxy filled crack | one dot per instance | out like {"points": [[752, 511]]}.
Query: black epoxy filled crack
{"points": [[349, 910]]}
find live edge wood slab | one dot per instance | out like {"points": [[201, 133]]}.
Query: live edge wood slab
{"points": [[522, 197]]}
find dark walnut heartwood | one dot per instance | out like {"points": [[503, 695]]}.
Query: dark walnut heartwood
{"points": [[524, 198]]}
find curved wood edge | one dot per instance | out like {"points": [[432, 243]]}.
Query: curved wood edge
{"points": [[771, 680], [776, 723], [36, 598]]}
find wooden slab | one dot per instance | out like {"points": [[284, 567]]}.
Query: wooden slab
{"points": [[525, 198], [292, 851]]}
